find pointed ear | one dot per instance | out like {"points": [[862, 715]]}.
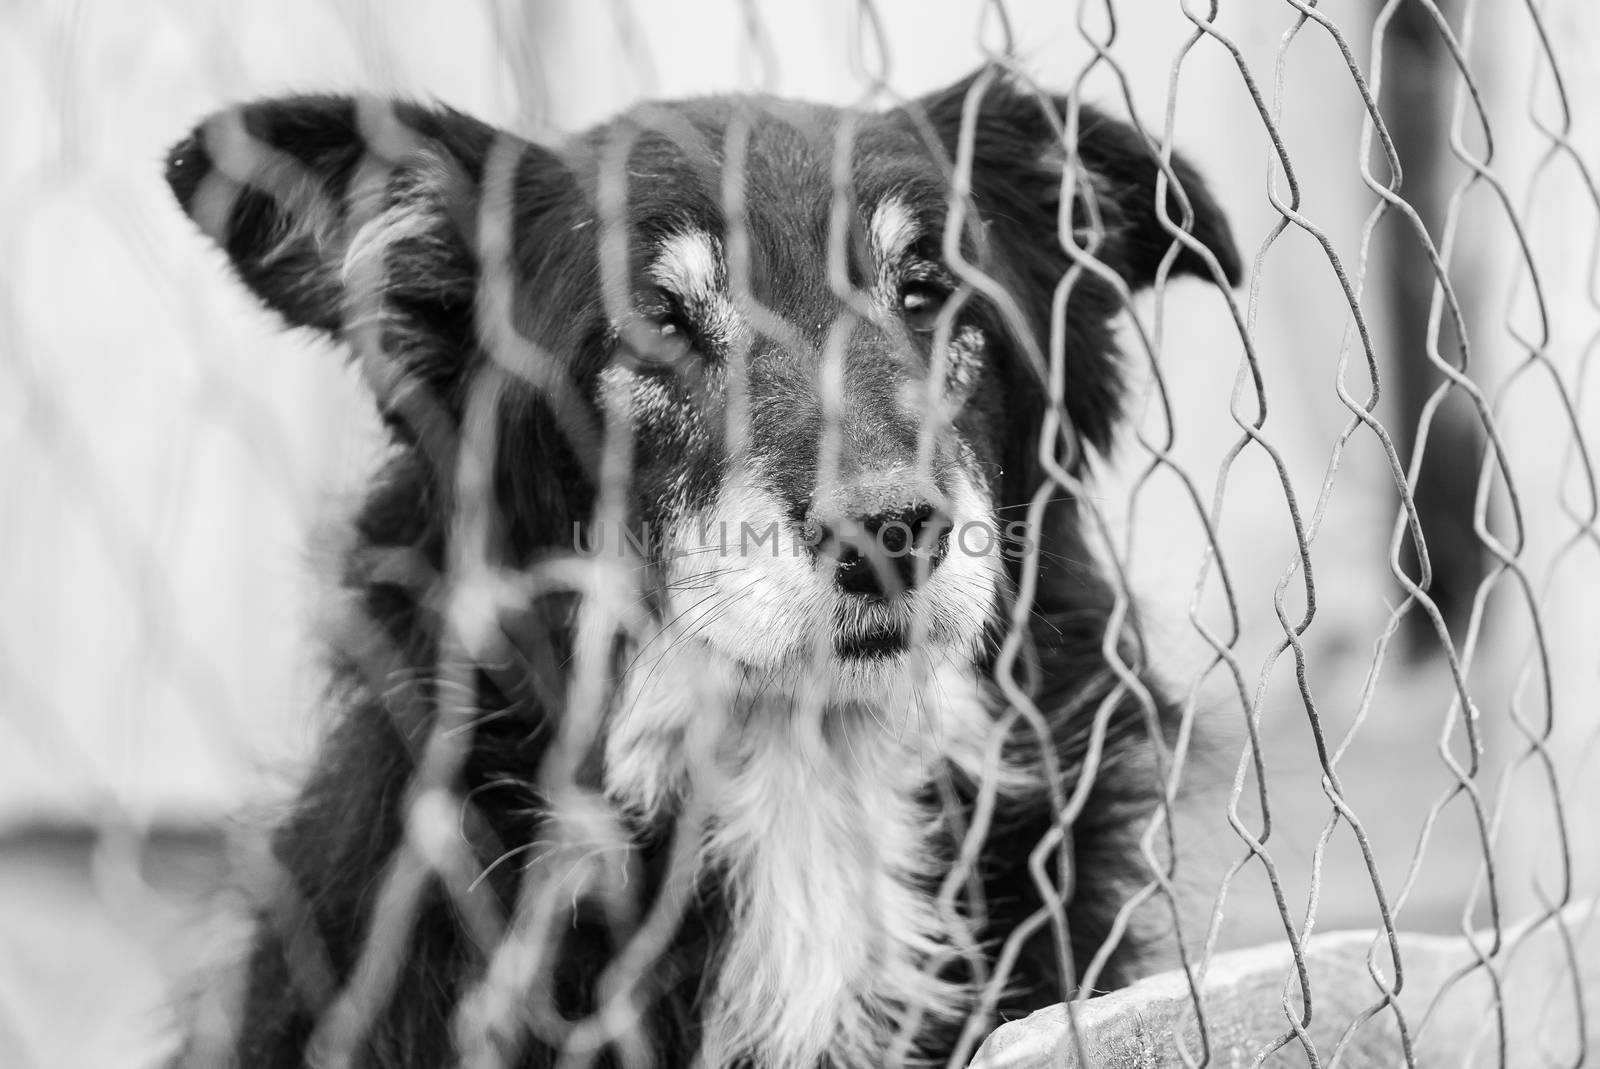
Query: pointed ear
{"points": [[347, 214], [1018, 154]]}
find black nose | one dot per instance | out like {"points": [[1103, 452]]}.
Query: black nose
{"points": [[886, 554]]}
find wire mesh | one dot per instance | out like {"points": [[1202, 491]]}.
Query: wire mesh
{"points": [[1387, 760]]}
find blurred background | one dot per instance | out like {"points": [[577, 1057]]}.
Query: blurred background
{"points": [[172, 460]]}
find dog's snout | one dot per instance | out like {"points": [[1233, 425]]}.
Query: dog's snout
{"points": [[885, 553]]}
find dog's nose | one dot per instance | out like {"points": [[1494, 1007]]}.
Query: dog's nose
{"points": [[886, 553]]}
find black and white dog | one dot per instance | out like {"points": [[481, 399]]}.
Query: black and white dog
{"points": [[695, 603]]}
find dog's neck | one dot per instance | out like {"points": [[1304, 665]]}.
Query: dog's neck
{"points": [[823, 820]]}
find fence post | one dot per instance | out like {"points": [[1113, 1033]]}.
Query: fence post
{"points": [[1416, 101]]}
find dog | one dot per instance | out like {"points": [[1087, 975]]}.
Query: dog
{"points": [[725, 636]]}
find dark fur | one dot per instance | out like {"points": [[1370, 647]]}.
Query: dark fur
{"points": [[335, 847]]}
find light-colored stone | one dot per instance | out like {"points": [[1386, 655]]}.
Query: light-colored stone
{"points": [[1547, 974]]}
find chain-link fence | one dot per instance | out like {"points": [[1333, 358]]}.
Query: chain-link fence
{"points": [[1349, 527]]}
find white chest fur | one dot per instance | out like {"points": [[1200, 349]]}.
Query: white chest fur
{"points": [[821, 823]]}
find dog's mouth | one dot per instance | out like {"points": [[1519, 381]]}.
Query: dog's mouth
{"points": [[871, 645]]}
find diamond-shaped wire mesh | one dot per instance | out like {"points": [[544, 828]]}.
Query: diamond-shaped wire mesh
{"points": [[1368, 734]]}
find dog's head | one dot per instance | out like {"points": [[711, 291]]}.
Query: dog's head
{"points": [[812, 349]]}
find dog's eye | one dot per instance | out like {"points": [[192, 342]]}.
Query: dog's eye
{"points": [[920, 303], [664, 339], [674, 339]]}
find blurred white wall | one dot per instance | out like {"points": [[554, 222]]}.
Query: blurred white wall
{"points": [[167, 450]]}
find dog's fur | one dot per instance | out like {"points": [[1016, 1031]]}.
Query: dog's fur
{"points": [[759, 809]]}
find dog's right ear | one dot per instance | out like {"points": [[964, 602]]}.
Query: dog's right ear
{"points": [[341, 213]]}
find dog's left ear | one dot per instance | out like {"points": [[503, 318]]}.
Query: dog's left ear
{"points": [[1017, 157], [1018, 151]]}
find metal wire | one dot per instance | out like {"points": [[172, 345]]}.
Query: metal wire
{"points": [[1505, 698]]}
